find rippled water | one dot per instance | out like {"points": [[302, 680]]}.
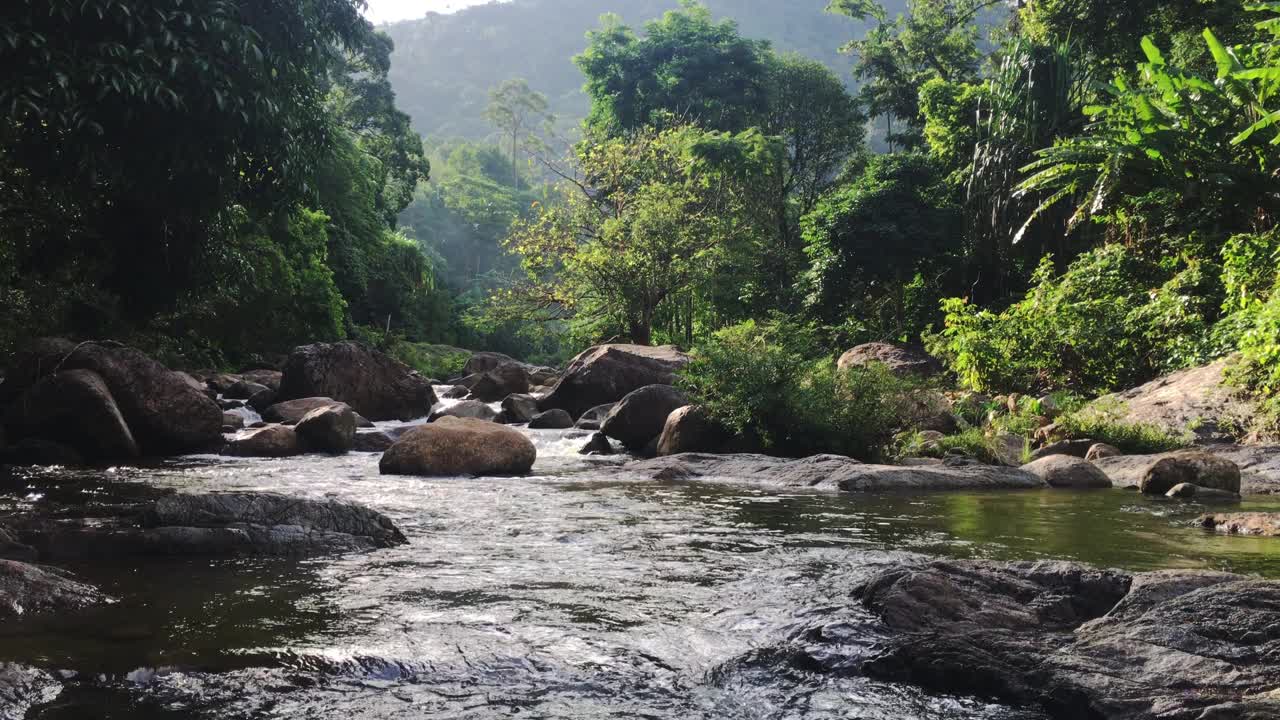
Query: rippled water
{"points": [[579, 592]]}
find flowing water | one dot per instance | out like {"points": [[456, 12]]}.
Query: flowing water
{"points": [[577, 592]]}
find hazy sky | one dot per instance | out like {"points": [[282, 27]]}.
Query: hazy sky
{"points": [[381, 11]]}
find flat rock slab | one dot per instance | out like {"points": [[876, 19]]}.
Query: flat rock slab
{"points": [[1078, 641], [1259, 466], [1243, 523], [832, 472], [1195, 401]]}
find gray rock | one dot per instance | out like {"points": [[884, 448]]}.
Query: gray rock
{"points": [[456, 392], [594, 418], [1244, 523], [459, 446], [243, 390], [290, 412], [372, 441], [691, 429], [1157, 474], [1259, 465], [27, 589], [1072, 448], [73, 408], [1195, 400], [272, 441], [483, 362], [22, 688], [1187, 491], [551, 420], [329, 429], [467, 409], [235, 421], [1066, 471], [606, 373], [832, 472], [598, 445], [642, 414], [12, 549], [372, 383], [900, 359], [1099, 451], [519, 408], [501, 381]]}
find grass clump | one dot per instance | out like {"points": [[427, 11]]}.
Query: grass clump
{"points": [[1102, 423]]}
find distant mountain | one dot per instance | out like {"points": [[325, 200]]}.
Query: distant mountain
{"points": [[444, 65]]}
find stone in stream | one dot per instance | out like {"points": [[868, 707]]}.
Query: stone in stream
{"points": [[1156, 474], [12, 549], [456, 392], [235, 421], [503, 380], [598, 445], [74, 408], [691, 429], [23, 687], [264, 376], [38, 451], [640, 416], [290, 412], [1078, 641], [551, 420], [466, 409], [459, 446], [606, 373], [483, 362], [329, 429], [519, 408], [900, 359], [594, 418], [27, 589], [1066, 471], [1242, 523], [243, 390], [374, 384], [262, 400], [832, 472], [1187, 491], [272, 441], [1259, 465], [372, 441]]}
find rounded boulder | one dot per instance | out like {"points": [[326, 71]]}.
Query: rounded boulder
{"points": [[460, 446]]}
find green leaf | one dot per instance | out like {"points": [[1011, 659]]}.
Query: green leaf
{"points": [[1152, 52], [1226, 63]]}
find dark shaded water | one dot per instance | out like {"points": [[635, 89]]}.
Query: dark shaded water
{"points": [[577, 593]]}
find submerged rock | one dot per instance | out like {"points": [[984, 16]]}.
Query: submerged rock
{"points": [[374, 384], [1066, 471], [1242, 523], [641, 416], [27, 589], [1187, 491], [460, 446], [832, 472], [1078, 641], [606, 373]]}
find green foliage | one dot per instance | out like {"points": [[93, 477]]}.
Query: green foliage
{"points": [[1099, 326], [760, 381], [1101, 422], [973, 442], [439, 362], [868, 240]]}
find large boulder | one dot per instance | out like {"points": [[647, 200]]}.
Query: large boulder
{"points": [[75, 408], [606, 373], [594, 418], [519, 408], [691, 429], [375, 385], [165, 412], [243, 390], [498, 383], [551, 420], [266, 377], [1078, 641], [329, 429], [273, 441], [1157, 474], [23, 687], [466, 409], [900, 359], [38, 358], [483, 362], [832, 472], [38, 451], [372, 441], [1195, 401], [641, 415], [1066, 471], [460, 446], [1259, 465], [27, 589]]}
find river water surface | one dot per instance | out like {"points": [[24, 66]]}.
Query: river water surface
{"points": [[577, 592]]}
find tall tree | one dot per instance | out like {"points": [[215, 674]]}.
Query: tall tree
{"points": [[513, 108]]}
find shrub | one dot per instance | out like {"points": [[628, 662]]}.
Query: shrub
{"points": [[1101, 422], [440, 362], [759, 380], [974, 442], [1112, 320]]}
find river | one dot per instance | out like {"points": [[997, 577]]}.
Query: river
{"points": [[577, 592]]}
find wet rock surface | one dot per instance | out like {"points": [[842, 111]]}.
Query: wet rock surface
{"points": [[832, 472], [1259, 465], [22, 687], [1157, 474], [73, 407], [459, 446], [374, 384], [641, 416], [1244, 523], [26, 589], [272, 441], [606, 373], [1066, 471], [1079, 642]]}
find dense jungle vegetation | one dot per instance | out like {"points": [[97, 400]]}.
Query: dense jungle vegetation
{"points": [[1064, 196]]}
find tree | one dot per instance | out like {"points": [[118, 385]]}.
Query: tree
{"points": [[513, 107], [687, 69], [868, 240], [640, 225]]}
